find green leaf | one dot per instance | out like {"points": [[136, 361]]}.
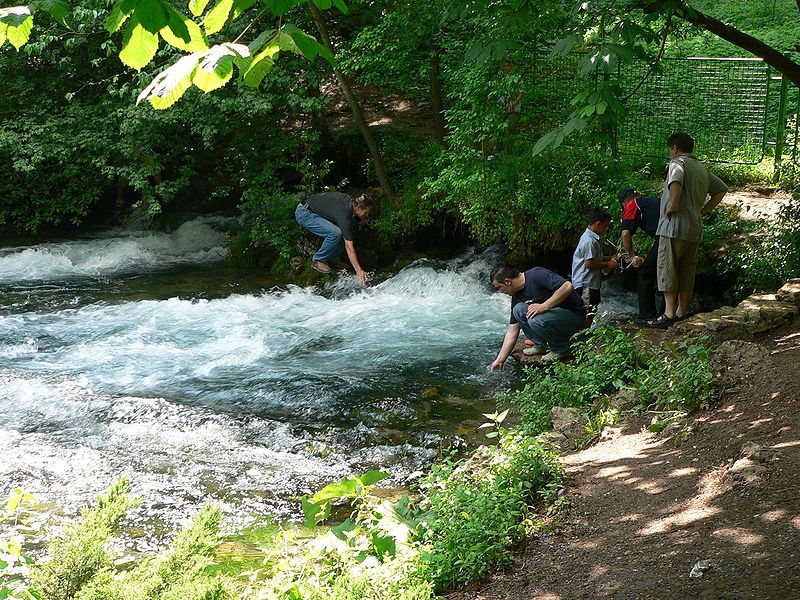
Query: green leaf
{"points": [[116, 17], [152, 14], [14, 16], [216, 19], [13, 502], [384, 544], [139, 46], [168, 86], [261, 65], [3, 565], [323, 4], [3, 37], [346, 488], [198, 6], [341, 530], [372, 477], [309, 47], [239, 6], [5, 592], [315, 511], [259, 41], [173, 34], [19, 35], [215, 69], [281, 7], [565, 45], [57, 9], [341, 6]]}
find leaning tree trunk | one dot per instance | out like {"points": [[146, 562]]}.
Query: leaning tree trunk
{"points": [[783, 64], [358, 114], [437, 104]]}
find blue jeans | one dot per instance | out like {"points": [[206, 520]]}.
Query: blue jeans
{"points": [[552, 329], [332, 244]]}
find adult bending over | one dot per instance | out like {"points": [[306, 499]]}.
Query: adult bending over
{"points": [[330, 215], [545, 306]]}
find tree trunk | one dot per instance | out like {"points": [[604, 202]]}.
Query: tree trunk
{"points": [[437, 103], [358, 114], [789, 68]]}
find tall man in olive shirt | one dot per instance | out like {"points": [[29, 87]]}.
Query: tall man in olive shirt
{"points": [[330, 215], [680, 226]]}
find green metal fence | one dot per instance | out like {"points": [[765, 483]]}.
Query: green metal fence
{"points": [[736, 109]]}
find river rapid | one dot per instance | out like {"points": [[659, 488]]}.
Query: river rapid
{"points": [[142, 354]]}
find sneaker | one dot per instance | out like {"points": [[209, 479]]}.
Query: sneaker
{"points": [[320, 266], [533, 351], [553, 357]]}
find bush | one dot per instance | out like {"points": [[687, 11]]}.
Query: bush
{"points": [[672, 378]]}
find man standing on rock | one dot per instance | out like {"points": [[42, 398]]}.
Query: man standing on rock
{"points": [[680, 226], [330, 215], [641, 212], [545, 306]]}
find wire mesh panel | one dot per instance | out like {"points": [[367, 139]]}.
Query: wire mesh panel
{"points": [[721, 103]]}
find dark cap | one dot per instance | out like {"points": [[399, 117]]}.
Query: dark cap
{"points": [[625, 194]]}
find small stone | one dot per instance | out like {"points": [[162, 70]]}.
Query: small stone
{"points": [[699, 568]]}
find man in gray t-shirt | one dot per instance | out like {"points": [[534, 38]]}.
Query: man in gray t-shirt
{"points": [[330, 215], [680, 226]]}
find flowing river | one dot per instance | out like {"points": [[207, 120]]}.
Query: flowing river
{"points": [[143, 354]]}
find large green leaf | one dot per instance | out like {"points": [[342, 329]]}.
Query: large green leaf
{"points": [[323, 4], [216, 19], [152, 14], [341, 6], [168, 86], [19, 35], [260, 66], [309, 47], [346, 488], [215, 69], [139, 46], [184, 34], [3, 37], [315, 511]]}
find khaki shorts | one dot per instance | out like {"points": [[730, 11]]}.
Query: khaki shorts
{"points": [[677, 265]]}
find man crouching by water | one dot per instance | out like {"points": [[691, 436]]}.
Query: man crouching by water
{"points": [[545, 306], [330, 215]]}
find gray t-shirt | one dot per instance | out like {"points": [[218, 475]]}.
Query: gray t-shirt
{"points": [[698, 183], [336, 207], [588, 249]]}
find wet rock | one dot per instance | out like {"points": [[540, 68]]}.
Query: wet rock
{"points": [[624, 399]]}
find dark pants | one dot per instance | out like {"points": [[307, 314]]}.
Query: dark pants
{"points": [[646, 286]]}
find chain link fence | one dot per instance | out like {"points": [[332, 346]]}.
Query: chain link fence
{"points": [[736, 109]]}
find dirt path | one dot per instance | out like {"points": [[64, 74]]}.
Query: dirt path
{"points": [[646, 508]]}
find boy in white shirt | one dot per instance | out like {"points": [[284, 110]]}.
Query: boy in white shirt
{"points": [[588, 261]]}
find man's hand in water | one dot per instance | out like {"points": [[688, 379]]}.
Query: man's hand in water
{"points": [[497, 365], [362, 276]]}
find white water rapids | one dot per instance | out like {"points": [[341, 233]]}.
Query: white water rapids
{"points": [[249, 398]]}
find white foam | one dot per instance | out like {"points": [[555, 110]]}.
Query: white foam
{"points": [[193, 242]]}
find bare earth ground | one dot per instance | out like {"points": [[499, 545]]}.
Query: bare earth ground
{"points": [[645, 508]]}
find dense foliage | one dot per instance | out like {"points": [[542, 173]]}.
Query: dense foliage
{"points": [[670, 381]]}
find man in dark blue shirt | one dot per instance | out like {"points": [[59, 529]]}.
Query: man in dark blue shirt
{"points": [[545, 306], [642, 212]]}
